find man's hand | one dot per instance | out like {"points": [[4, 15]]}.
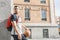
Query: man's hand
{"points": [[19, 36], [26, 29]]}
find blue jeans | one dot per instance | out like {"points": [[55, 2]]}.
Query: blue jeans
{"points": [[16, 37]]}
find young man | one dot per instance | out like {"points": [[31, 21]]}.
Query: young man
{"points": [[17, 26]]}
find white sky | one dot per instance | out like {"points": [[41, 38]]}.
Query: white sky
{"points": [[57, 7]]}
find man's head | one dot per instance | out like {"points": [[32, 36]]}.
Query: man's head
{"points": [[15, 10]]}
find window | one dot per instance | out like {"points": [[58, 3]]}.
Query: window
{"points": [[45, 33], [43, 1], [59, 33], [26, 0], [31, 34], [59, 25], [43, 12], [59, 30], [27, 14]]}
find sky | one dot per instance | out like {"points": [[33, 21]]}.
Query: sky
{"points": [[57, 7]]}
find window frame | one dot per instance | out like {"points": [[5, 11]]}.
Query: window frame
{"points": [[43, 1], [46, 33], [31, 34], [44, 14], [26, 0], [27, 14]]}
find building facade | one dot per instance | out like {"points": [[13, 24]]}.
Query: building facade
{"points": [[39, 17], [58, 22]]}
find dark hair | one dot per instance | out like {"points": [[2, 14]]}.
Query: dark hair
{"points": [[15, 6]]}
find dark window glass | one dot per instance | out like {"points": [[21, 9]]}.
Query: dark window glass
{"points": [[27, 14], [43, 12], [26, 0], [45, 33], [43, 1]]}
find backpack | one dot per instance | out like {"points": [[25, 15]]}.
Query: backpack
{"points": [[9, 24]]}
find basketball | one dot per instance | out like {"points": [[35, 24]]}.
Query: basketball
{"points": [[27, 33]]}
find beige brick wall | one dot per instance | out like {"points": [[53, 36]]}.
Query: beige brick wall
{"points": [[35, 10], [32, 2]]}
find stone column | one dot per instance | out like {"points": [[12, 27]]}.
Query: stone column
{"points": [[52, 11]]}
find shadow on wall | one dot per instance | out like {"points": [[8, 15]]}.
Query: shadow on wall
{"points": [[4, 34]]}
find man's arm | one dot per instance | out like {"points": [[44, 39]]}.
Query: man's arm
{"points": [[14, 26], [23, 26]]}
